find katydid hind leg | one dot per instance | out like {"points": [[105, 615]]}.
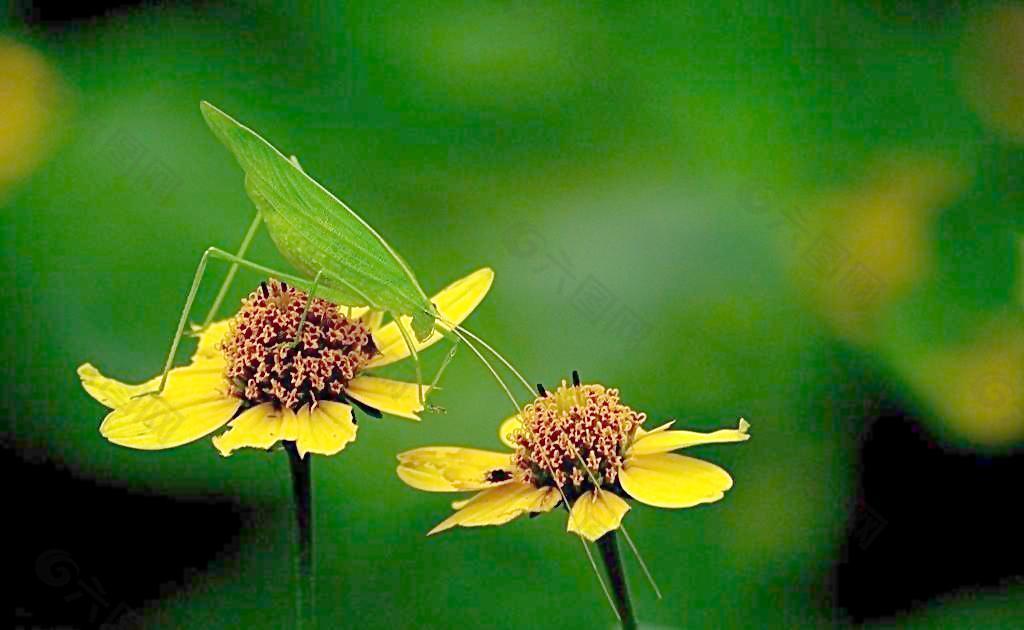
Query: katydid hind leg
{"points": [[197, 279], [415, 358], [232, 270]]}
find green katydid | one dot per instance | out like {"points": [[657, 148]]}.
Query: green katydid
{"points": [[338, 255]]}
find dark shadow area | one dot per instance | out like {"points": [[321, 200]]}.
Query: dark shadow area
{"points": [[61, 15], [56, 15], [928, 521], [90, 556]]}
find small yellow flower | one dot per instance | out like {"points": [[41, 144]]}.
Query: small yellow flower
{"points": [[245, 372], [563, 443]]}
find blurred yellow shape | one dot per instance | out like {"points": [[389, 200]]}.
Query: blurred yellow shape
{"points": [[28, 103], [978, 387], [875, 243], [992, 68]]}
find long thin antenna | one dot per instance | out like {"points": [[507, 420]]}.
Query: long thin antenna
{"points": [[597, 572], [458, 331], [233, 269], [505, 361], [586, 548], [597, 488], [490, 368], [639, 558], [415, 359], [456, 327]]}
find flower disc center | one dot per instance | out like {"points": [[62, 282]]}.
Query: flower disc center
{"points": [[577, 434], [264, 365]]}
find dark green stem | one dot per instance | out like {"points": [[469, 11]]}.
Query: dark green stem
{"points": [[609, 546], [302, 485]]}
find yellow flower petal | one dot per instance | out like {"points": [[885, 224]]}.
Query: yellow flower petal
{"points": [[461, 503], [193, 404], [453, 469], [454, 303], [329, 427], [355, 312], [109, 392], [325, 430], [496, 506], [373, 319], [394, 397], [113, 393], [665, 441], [640, 430], [508, 427], [673, 481], [596, 513], [209, 340], [257, 427]]}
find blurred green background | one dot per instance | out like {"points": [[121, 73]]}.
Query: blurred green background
{"points": [[782, 211]]}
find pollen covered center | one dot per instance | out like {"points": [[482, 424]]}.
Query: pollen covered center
{"points": [[573, 427], [265, 365]]}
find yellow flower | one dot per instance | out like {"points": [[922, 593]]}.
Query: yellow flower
{"points": [[245, 372], [579, 444]]}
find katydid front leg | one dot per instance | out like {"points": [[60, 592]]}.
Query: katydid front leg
{"points": [[222, 292], [219, 254], [437, 377], [415, 358], [405, 334], [305, 311], [398, 322]]}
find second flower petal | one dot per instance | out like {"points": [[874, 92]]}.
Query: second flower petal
{"points": [[496, 506], [673, 481], [665, 441], [453, 469]]}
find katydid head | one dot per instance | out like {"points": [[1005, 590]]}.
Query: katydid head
{"points": [[423, 322]]}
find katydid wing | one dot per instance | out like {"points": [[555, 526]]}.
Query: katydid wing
{"points": [[314, 230]]}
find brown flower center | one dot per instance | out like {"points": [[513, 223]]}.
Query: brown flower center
{"points": [[264, 365], [572, 430]]}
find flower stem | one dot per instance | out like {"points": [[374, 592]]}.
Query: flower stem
{"points": [[609, 546], [302, 485]]}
